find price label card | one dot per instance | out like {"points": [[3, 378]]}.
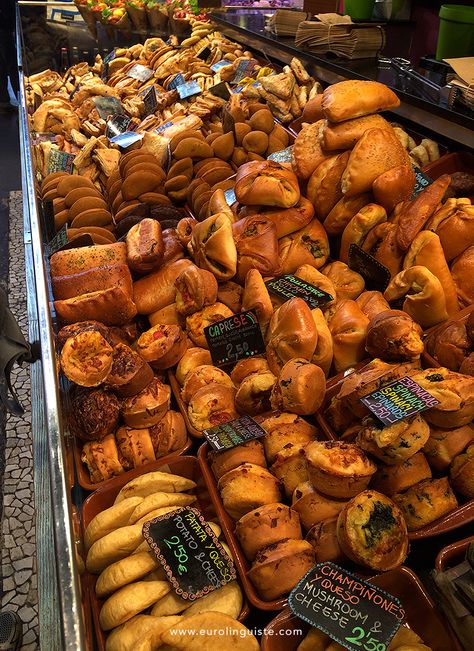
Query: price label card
{"points": [[126, 139], [290, 286], [237, 337], [60, 241], [422, 181], [140, 72], [60, 161], [230, 196], [244, 69], [220, 90], [105, 64], [187, 548], [107, 106], [282, 156], [375, 274], [150, 102], [204, 53], [178, 80], [38, 138], [163, 127], [220, 64], [235, 432], [188, 89], [398, 400], [118, 124], [351, 611]]}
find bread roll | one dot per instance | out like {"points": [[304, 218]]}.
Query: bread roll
{"points": [[265, 526], [288, 220], [461, 271], [394, 186], [102, 459], [148, 407], [348, 327], [73, 261], [343, 212], [266, 183], [157, 290], [393, 336], [257, 247], [456, 231], [112, 307], [213, 246], [356, 230], [346, 134], [372, 303], [129, 373], [307, 151], [92, 280], [145, 246], [195, 288], [350, 99], [347, 283], [191, 359]]}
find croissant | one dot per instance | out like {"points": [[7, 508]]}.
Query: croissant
{"points": [[426, 302]]}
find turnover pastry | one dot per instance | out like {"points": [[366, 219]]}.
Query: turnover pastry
{"points": [[309, 245], [348, 327], [257, 298], [213, 246], [353, 98], [266, 183], [307, 150], [257, 246]]}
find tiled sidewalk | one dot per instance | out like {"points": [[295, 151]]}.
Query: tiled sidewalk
{"points": [[18, 525]]}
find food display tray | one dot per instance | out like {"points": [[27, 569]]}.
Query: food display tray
{"points": [[460, 161], [104, 497], [176, 389], [452, 554], [421, 615]]}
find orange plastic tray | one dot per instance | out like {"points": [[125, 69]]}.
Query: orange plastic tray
{"points": [[452, 554]]}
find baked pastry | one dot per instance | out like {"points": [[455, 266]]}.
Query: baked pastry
{"points": [[136, 447], [197, 322], [359, 226], [314, 277], [157, 290], [462, 276], [450, 345], [145, 247], [149, 406], [94, 413], [348, 327], [314, 507], [129, 373], [247, 487], [266, 183], [425, 300], [338, 469], [290, 467], [323, 538], [346, 282], [309, 245], [342, 213], [131, 600], [287, 220], [371, 531], [247, 452], [169, 434], [291, 333], [269, 423], [315, 639], [257, 247], [394, 186], [162, 345], [455, 393], [246, 367], [253, 394], [200, 377], [324, 352], [456, 231], [230, 294], [461, 473], [86, 358], [372, 303], [394, 444], [445, 444], [300, 388], [192, 358], [92, 280], [278, 567], [256, 297], [113, 307], [195, 288], [72, 261], [102, 459], [324, 187], [307, 150], [298, 432], [350, 99], [265, 526], [345, 135], [212, 405], [381, 243], [393, 336], [83, 326], [395, 479], [168, 315], [425, 502]]}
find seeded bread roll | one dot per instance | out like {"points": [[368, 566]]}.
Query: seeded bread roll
{"points": [[425, 502], [73, 261], [266, 525], [113, 307], [92, 280]]}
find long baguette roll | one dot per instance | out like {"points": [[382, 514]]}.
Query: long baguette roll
{"points": [[157, 290], [72, 261], [92, 280], [112, 307]]}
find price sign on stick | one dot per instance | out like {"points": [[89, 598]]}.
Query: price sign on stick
{"points": [[375, 274], [235, 432], [194, 560], [237, 337], [290, 286], [355, 613]]}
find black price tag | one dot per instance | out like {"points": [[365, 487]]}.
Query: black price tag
{"points": [[282, 156], [140, 72], [422, 181], [107, 106], [105, 64], [290, 286], [351, 611], [235, 432], [204, 53], [187, 548], [244, 69], [118, 124], [61, 243], [220, 90], [150, 102], [178, 80], [49, 228], [398, 400], [58, 241], [237, 337], [60, 161], [375, 274], [188, 89]]}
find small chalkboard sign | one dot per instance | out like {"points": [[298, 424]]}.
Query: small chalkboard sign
{"points": [[228, 435], [290, 286], [422, 181], [188, 89], [140, 72], [150, 102], [398, 400], [220, 90], [58, 241], [204, 53], [118, 124], [349, 609], [237, 337], [187, 548], [178, 80], [60, 161], [375, 274], [107, 106], [282, 156]]}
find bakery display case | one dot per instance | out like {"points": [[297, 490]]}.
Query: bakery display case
{"points": [[255, 194]]}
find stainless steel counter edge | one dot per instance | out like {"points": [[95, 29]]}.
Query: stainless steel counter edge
{"points": [[60, 520], [436, 123]]}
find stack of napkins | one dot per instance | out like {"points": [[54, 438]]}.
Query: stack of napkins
{"points": [[285, 22], [337, 34], [463, 79]]}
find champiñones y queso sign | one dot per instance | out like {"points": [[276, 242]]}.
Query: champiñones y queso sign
{"points": [[351, 611]]}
